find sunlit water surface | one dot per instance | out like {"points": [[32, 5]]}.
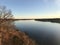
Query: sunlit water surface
{"points": [[45, 33]]}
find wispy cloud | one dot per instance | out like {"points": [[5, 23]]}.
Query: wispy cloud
{"points": [[56, 2]]}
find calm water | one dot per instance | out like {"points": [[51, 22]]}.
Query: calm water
{"points": [[44, 33]]}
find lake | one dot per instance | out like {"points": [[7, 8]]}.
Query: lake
{"points": [[44, 33]]}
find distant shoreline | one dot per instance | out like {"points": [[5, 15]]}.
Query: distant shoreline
{"points": [[55, 20]]}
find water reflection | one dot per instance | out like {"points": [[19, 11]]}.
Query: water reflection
{"points": [[45, 33]]}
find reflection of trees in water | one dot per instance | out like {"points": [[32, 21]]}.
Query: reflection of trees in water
{"points": [[5, 14]]}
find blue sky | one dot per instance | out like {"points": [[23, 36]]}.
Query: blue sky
{"points": [[33, 8]]}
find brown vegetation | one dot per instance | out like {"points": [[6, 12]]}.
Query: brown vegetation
{"points": [[9, 35]]}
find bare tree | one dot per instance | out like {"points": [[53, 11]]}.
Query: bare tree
{"points": [[5, 13]]}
